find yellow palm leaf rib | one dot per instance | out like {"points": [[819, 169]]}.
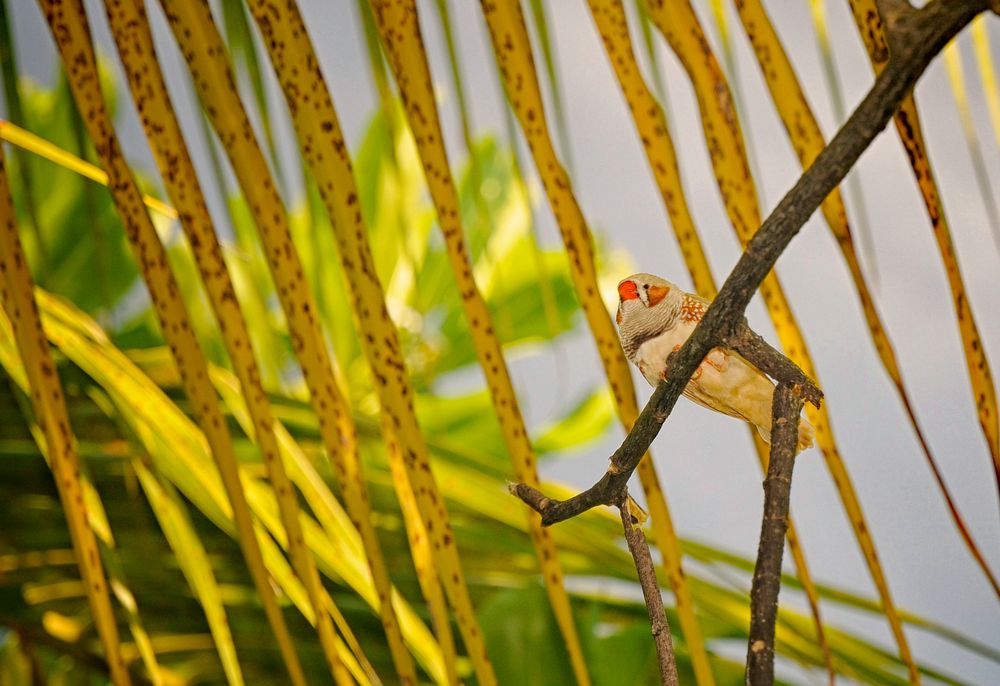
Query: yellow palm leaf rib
{"points": [[202, 47], [322, 143], [18, 302], [987, 74], [178, 453], [911, 133], [854, 188], [130, 29], [192, 559], [678, 23], [200, 42], [26, 140], [345, 557], [956, 78], [71, 31], [423, 560], [651, 124], [336, 523], [94, 512], [513, 51], [98, 520], [808, 141], [404, 45], [309, 483]]}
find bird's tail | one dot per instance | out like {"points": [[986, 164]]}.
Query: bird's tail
{"points": [[806, 434]]}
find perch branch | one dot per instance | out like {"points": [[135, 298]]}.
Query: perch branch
{"points": [[651, 592], [771, 361], [917, 41], [767, 573]]}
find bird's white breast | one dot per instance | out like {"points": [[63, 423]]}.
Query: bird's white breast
{"points": [[651, 356]]}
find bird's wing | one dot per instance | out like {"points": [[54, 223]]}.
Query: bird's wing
{"points": [[731, 385], [697, 298], [695, 393]]}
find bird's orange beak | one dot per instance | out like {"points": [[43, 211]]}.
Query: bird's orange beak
{"points": [[627, 290]]}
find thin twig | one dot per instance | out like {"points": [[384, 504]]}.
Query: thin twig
{"points": [[651, 592], [767, 573]]}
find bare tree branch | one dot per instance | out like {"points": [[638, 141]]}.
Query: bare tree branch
{"points": [[651, 592], [771, 361], [774, 524]]}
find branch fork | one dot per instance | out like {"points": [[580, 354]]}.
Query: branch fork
{"points": [[612, 487]]}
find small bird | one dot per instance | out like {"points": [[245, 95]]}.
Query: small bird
{"points": [[655, 318]]}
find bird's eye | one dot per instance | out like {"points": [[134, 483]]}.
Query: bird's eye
{"points": [[646, 286]]}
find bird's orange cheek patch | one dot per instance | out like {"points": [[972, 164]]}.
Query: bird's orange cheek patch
{"points": [[656, 293]]}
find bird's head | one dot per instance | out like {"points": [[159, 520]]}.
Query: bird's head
{"points": [[642, 292], [647, 306]]}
